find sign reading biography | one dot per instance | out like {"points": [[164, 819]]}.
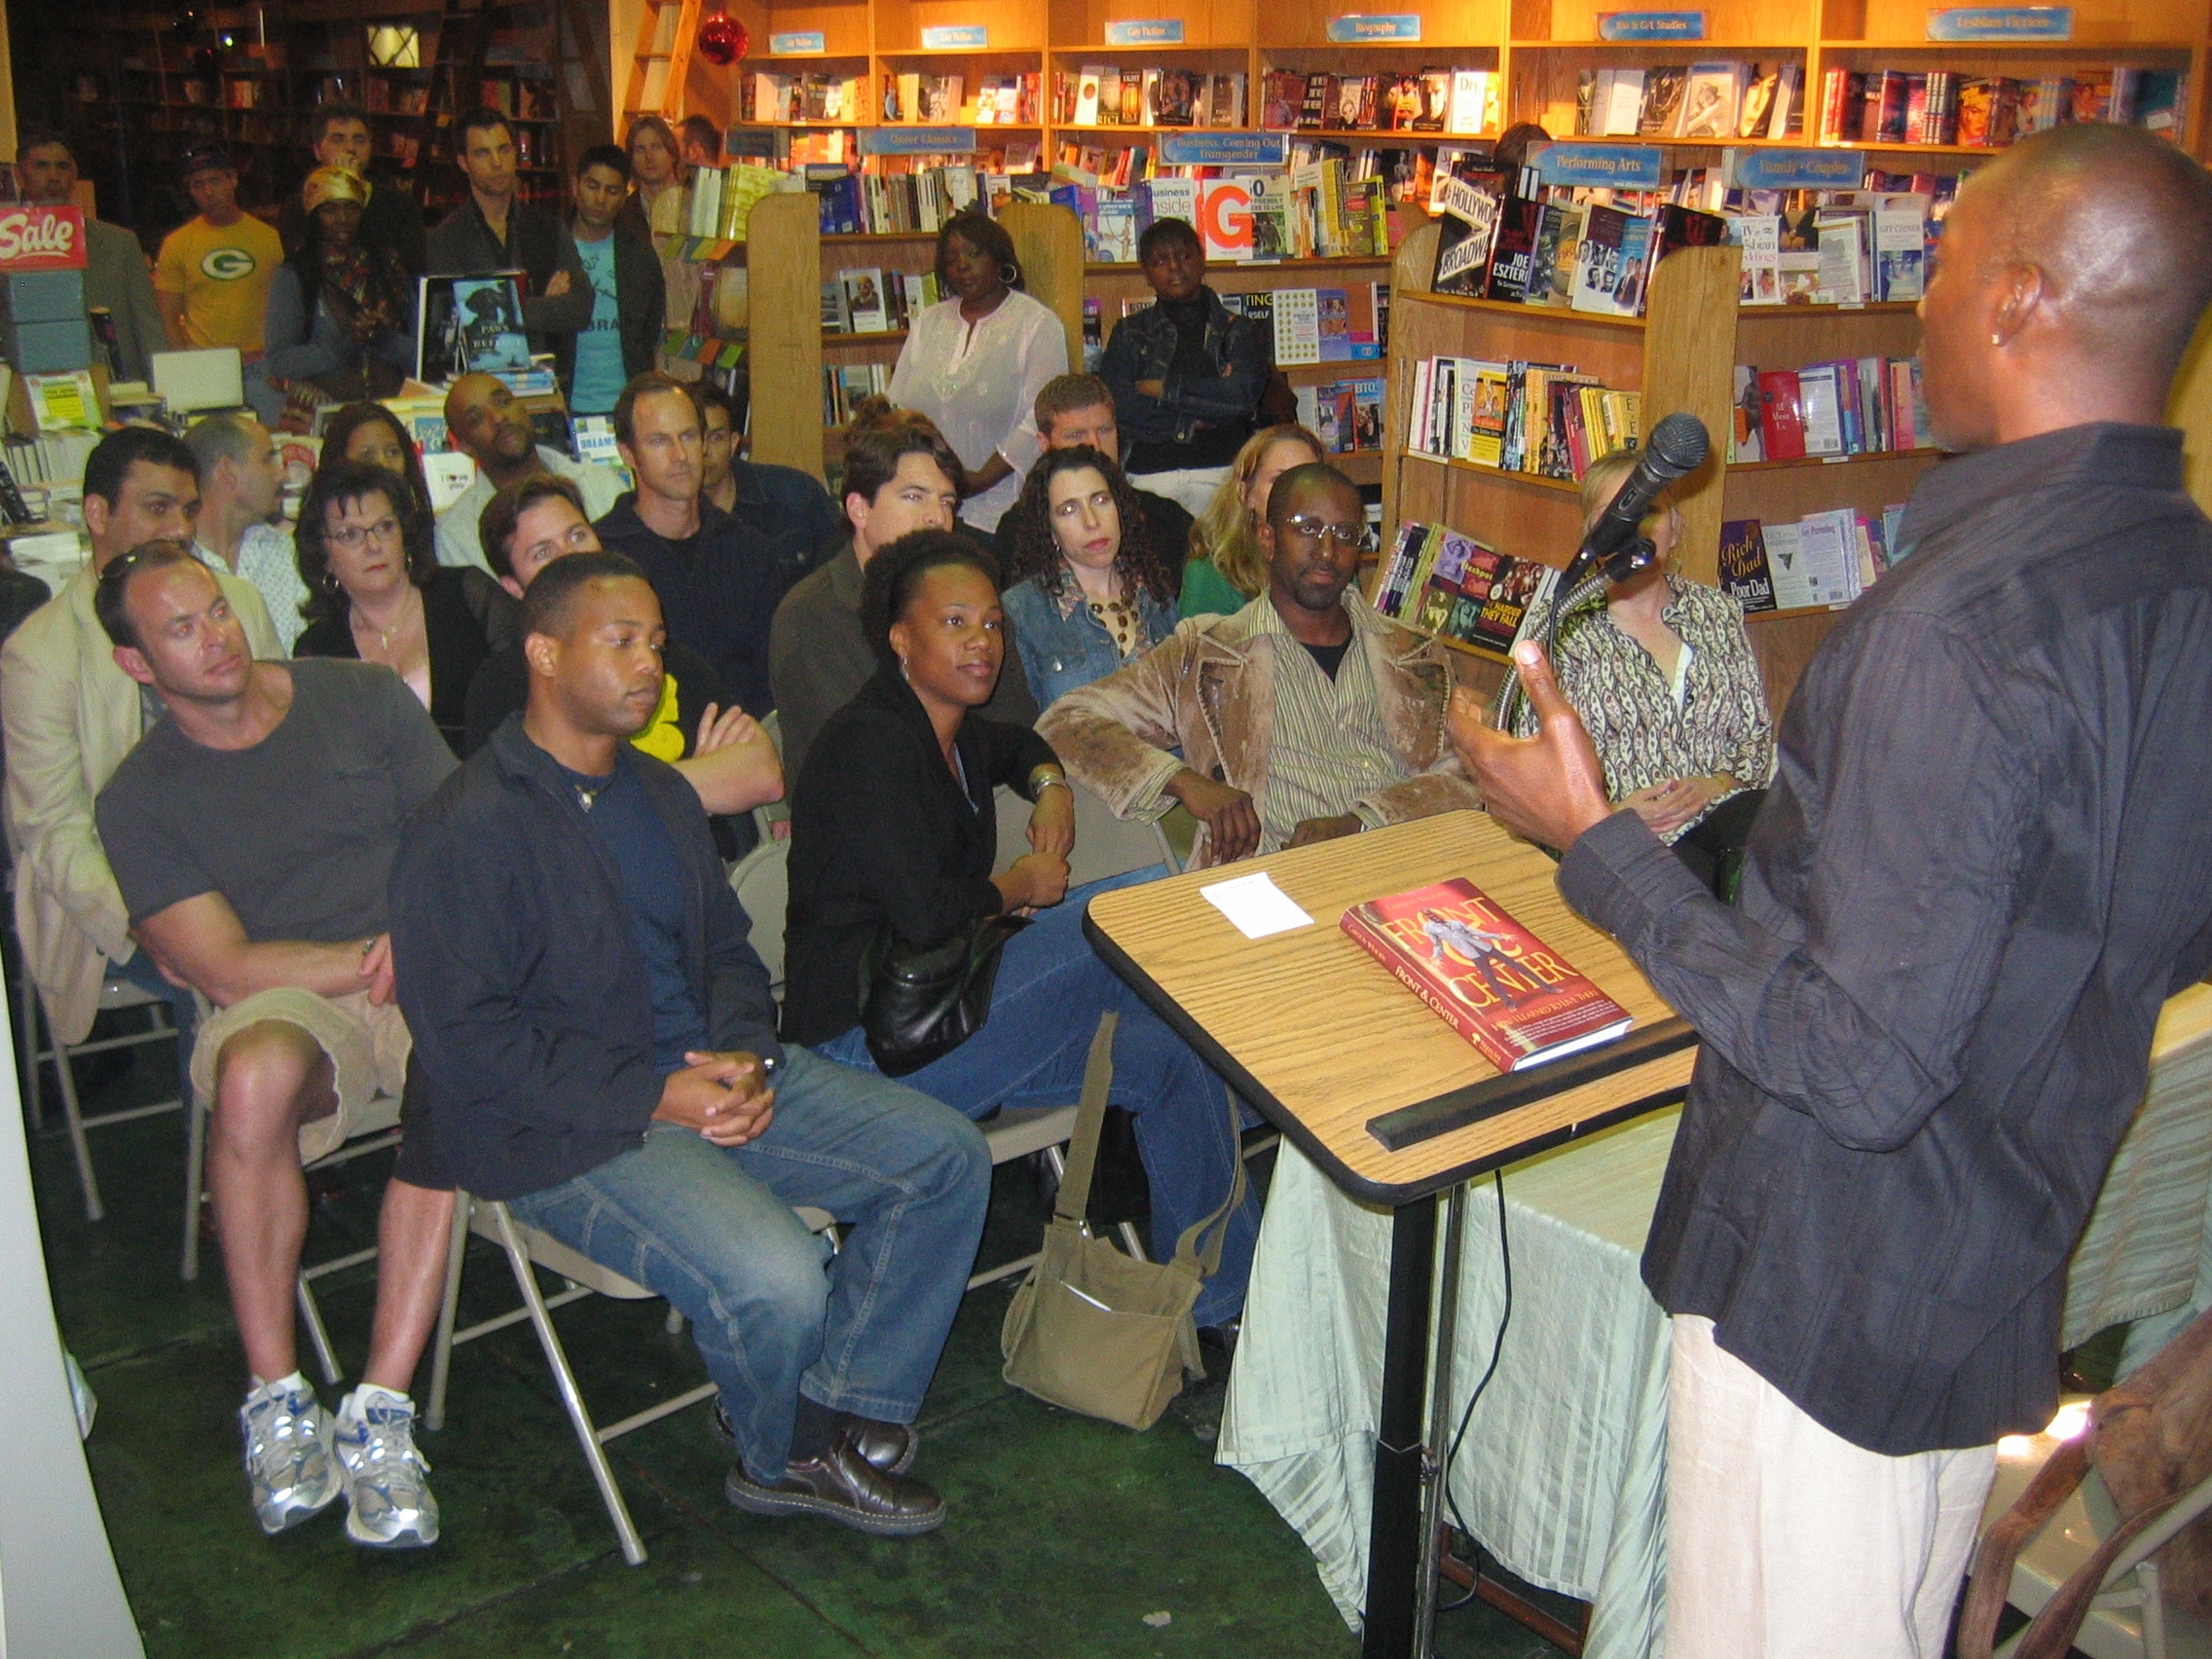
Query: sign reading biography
{"points": [[1650, 25], [1354, 27], [956, 37], [797, 44], [1615, 166], [2002, 23], [1796, 169], [1145, 31], [917, 140], [1223, 149]]}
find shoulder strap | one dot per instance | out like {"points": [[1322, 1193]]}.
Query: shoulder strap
{"points": [[1074, 1201]]}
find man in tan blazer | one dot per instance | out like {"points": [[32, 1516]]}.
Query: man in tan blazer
{"points": [[71, 715]]}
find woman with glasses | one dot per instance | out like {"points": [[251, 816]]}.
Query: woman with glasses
{"points": [[1228, 570], [376, 592], [1089, 593]]}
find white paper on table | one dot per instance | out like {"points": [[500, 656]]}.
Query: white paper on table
{"points": [[1256, 905]]}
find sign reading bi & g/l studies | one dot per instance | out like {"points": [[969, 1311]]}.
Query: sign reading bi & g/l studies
{"points": [[42, 238], [1650, 25], [956, 37], [1354, 26], [1145, 31], [2002, 23], [1618, 167], [1223, 149], [917, 140], [797, 44], [1796, 169]]}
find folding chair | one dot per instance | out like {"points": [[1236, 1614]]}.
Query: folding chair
{"points": [[115, 994]]}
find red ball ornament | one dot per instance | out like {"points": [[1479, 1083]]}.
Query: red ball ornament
{"points": [[723, 40]]}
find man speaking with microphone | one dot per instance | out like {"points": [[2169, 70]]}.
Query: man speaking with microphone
{"points": [[1984, 863]]}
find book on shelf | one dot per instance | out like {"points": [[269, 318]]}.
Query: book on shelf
{"points": [[1519, 1002], [1821, 561], [1454, 586], [1347, 416], [1541, 417], [846, 386], [1944, 108], [1297, 327], [1851, 406]]}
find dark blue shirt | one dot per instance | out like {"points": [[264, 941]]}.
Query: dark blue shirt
{"points": [[622, 815]]}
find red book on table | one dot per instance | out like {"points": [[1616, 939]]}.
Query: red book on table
{"points": [[1496, 983]]}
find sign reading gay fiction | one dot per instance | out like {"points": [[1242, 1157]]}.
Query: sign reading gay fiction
{"points": [[42, 238], [1650, 25], [2002, 23], [917, 140], [1145, 31], [1354, 26], [1617, 167], [1796, 169], [797, 44], [956, 37], [1223, 149]]}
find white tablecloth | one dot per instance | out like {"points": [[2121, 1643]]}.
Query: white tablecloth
{"points": [[1563, 1474]]}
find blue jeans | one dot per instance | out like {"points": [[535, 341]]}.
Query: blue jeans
{"points": [[183, 1007], [1044, 1008], [772, 1311]]}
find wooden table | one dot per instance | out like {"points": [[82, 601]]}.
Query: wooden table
{"points": [[1385, 1098]]}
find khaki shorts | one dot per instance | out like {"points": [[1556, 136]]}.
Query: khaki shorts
{"points": [[368, 1047]]}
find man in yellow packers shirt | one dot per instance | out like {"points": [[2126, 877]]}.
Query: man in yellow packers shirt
{"points": [[729, 760], [212, 277]]}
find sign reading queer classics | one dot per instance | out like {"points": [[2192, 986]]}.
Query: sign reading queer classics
{"points": [[42, 238]]}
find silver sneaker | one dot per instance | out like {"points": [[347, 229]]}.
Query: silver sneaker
{"points": [[388, 1504], [289, 1470]]}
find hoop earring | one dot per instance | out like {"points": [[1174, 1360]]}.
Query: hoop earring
{"points": [[1010, 275]]}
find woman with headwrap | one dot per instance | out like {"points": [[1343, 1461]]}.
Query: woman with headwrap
{"points": [[341, 317]]}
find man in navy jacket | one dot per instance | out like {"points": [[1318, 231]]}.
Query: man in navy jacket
{"points": [[596, 1045]]}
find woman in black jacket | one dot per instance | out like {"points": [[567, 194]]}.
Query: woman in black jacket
{"points": [[892, 822], [376, 591]]}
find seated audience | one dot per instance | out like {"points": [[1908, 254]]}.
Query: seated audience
{"points": [[377, 594], [1301, 718], [1226, 569], [338, 137], [629, 299], [1087, 591], [1077, 412], [117, 279], [341, 317], [975, 363], [787, 508], [371, 433], [603, 1057], [718, 581], [1185, 372], [71, 715], [489, 425], [1662, 676], [252, 834], [893, 826], [240, 483], [901, 475], [720, 748]]}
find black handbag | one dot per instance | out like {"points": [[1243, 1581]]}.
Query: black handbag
{"points": [[919, 1006]]}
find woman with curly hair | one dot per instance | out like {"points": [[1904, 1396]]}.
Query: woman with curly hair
{"points": [[377, 593], [340, 322], [1090, 592]]}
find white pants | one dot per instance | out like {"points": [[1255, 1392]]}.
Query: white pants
{"points": [[1193, 486], [1787, 1542]]}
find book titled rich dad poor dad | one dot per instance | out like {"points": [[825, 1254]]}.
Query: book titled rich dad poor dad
{"points": [[1498, 985]]}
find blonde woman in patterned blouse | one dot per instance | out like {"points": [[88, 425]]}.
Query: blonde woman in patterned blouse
{"points": [[1662, 676]]}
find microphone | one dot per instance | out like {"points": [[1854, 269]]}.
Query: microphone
{"points": [[1678, 446]]}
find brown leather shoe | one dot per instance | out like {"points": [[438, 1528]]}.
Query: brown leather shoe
{"points": [[844, 1487], [888, 1446]]}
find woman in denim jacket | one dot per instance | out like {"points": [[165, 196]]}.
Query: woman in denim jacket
{"points": [[1088, 593]]}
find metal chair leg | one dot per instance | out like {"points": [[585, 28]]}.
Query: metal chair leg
{"points": [[317, 1336], [587, 1437], [26, 1041], [441, 1355], [74, 1118], [195, 1182]]}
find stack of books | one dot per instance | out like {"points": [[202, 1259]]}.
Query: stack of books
{"points": [[1717, 101], [1854, 406], [1460, 101], [1103, 94], [1822, 560], [1895, 106], [1548, 418]]}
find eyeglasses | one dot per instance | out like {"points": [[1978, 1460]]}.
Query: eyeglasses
{"points": [[1356, 536], [351, 535]]}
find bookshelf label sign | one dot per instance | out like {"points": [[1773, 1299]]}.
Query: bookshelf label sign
{"points": [[1650, 25], [1223, 149], [1616, 166], [1145, 31], [2002, 23], [1797, 169], [956, 37], [917, 140], [1356, 27], [797, 44]]}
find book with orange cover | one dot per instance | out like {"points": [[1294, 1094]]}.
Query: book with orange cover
{"points": [[1493, 980]]}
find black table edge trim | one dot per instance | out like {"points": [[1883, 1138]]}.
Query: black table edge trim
{"points": [[1455, 1109]]}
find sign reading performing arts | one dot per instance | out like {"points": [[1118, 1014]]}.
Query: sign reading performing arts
{"points": [[1619, 167]]}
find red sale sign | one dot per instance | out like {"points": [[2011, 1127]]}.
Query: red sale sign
{"points": [[42, 238]]}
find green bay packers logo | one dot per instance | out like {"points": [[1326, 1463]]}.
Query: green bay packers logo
{"points": [[227, 265]]}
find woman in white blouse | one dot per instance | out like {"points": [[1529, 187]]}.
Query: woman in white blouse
{"points": [[976, 362]]}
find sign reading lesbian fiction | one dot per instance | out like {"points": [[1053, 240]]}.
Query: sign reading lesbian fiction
{"points": [[42, 238], [1615, 166], [956, 37], [1650, 25], [1354, 27], [2002, 23], [1796, 169], [797, 44], [1145, 31]]}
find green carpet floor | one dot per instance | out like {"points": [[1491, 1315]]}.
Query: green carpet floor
{"points": [[1066, 1537]]}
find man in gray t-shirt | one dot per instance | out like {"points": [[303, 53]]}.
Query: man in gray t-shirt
{"points": [[251, 835]]}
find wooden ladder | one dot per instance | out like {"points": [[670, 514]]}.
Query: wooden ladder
{"points": [[673, 61]]}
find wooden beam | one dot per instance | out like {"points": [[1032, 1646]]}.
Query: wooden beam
{"points": [[783, 260]]}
